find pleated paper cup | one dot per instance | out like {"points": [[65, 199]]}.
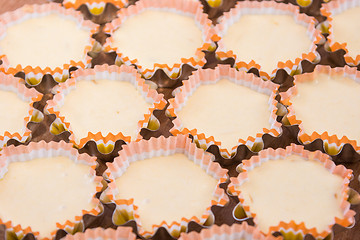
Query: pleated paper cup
{"points": [[332, 143], [212, 76], [291, 66], [13, 84], [45, 150], [290, 229], [96, 7], [100, 72], [329, 10], [184, 7], [34, 74], [137, 151], [121, 233], [241, 231]]}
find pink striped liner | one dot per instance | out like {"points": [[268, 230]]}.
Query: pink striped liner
{"points": [[235, 232], [268, 7], [14, 84], [40, 150], [185, 7], [99, 72], [329, 10], [96, 7], [121, 233], [34, 11], [333, 142], [212, 76], [291, 227], [136, 151]]}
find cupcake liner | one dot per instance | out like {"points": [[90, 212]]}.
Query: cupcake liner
{"points": [[234, 232], [33, 11], [13, 84], [96, 7], [121, 233], [268, 7], [163, 147], [291, 228], [185, 7], [211, 76], [123, 73], [333, 8], [332, 143], [40, 150]]}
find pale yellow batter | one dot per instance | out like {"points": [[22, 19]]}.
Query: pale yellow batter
{"points": [[267, 39], [227, 111], [174, 188], [345, 29], [293, 188], [329, 104], [12, 114], [40, 192], [104, 106], [46, 41], [155, 36]]}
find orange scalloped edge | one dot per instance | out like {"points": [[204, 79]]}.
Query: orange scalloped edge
{"points": [[212, 76], [123, 233], [163, 147], [194, 8], [327, 10], [13, 84], [9, 17], [41, 149], [236, 231], [150, 95], [304, 137], [94, 3], [270, 154], [289, 65]]}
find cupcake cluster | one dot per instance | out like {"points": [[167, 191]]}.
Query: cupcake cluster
{"points": [[180, 119]]}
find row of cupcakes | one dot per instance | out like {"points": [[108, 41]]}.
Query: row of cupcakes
{"points": [[168, 183], [179, 41], [110, 103]]}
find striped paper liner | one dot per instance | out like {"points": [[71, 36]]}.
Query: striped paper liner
{"points": [[333, 143], [268, 7], [329, 10], [121, 233], [292, 228], [212, 76], [96, 7], [184, 7], [143, 149], [99, 72], [14, 84], [241, 231], [33, 11], [41, 150]]}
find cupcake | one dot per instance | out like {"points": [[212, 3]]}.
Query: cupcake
{"points": [[96, 7], [322, 104], [235, 232], [295, 192], [164, 182], [141, 37], [33, 40], [267, 36], [46, 187], [105, 104], [342, 20], [121, 233], [225, 107], [16, 104]]}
